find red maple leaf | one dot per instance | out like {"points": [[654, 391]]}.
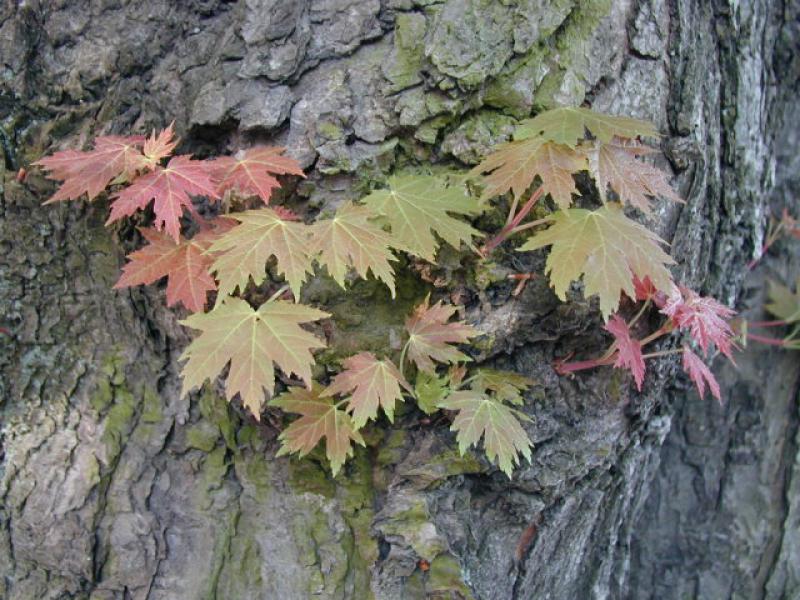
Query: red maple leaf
{"points": [[251, 172], [185, 265], [90, 172], [700, 374], [169, 187], [629, 350], [704, 318]]}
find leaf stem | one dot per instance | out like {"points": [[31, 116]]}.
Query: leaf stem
{"points": [[663, 353], [766, 340], [278, 294], [645, 306], [541, 221], [512, 223], [403, 358]]}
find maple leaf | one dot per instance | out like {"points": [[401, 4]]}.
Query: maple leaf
{"points": [[700, 374], [350, 240], [251, 172], [169, 187], [159, 146], [374, 383], [514, 166], [607, 248], [629, 350], [417, 206], [615, 164], [262, 233], [113, 157], [783, 303], [319, 418], [482, 415], [185, 265], [429, 390], [251, 340], [568, 125], [508, 386], [430, 336], [704, 317]]}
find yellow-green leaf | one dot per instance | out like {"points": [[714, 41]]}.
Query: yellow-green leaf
{"points": [[350, 241], [783, 303], [415, 207], [371, 383], [508, 385], [320, 418], [429, 390], [568, 125], [606, 248], [482, 415], [514, 166], [260, 235], [251, 340]]}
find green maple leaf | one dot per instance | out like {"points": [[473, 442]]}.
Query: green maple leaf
{"points": [[483, 415], [429, 390], [416, 207], [508, 385], [319, 418], [606, 248], [783, 303], [243, 251], [350, 241], [251, 341], [568, 125]]}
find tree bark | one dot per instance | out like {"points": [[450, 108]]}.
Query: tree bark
{"points": [[112, 485]]}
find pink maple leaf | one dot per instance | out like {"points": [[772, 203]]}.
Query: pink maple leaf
{"points": [[629, 350], [704, 318], [700, 374]]}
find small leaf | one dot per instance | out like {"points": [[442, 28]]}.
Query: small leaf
{"points": [[700, 374], [416, 206], [374, 383], [157, 147], [514, 166], [507, 385], [430, 336], [607, 248], [483, 415], [783, 303], [350, 241], [568, 125], [705, 318], [251, 340], [429, 390], [261, 234], [320, 418], [615, 165], [251, 172], [91, 172], [169, 188], [629, 350]]}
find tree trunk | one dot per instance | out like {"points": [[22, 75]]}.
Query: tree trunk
{"points": [[114, 486]]}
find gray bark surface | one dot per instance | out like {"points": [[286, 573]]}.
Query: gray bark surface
{"points": [[112, 485]]}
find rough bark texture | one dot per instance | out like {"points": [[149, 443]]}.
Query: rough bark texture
{"points": [[113, 486]]}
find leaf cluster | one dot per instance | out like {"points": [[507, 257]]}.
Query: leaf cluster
{"points": [[236, 253]]}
